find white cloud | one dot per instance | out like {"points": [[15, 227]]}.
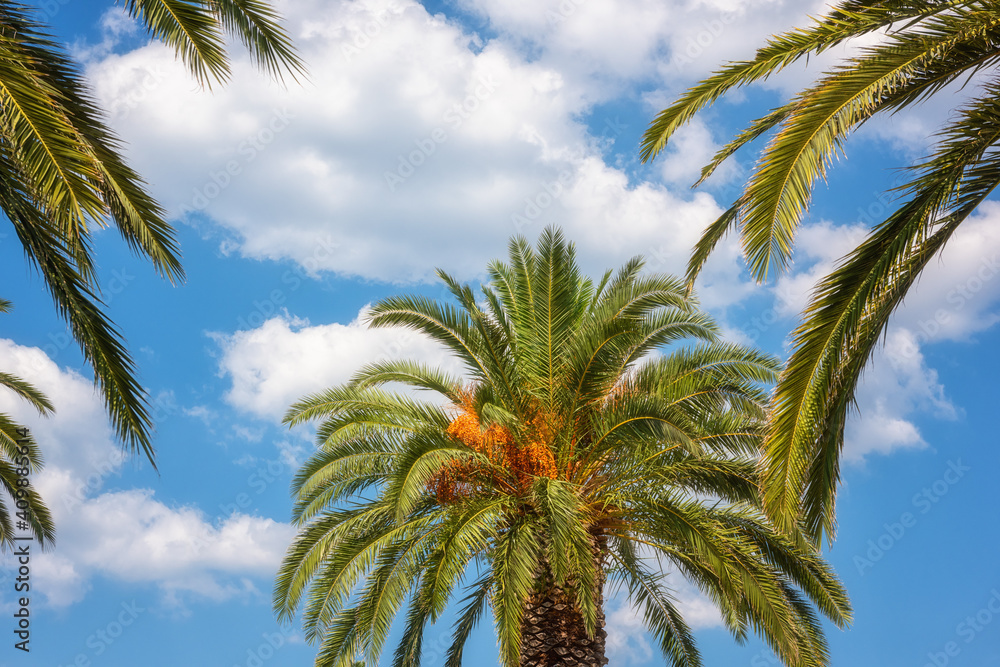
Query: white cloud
{"points": [[281, 361], [957, 294], [601, 46], [954, 299], [415, 145], [77, 440], [144, 540], [691, 148], [704, 34], [627, 641], [597, 45], [896, 384], [124, 535]]}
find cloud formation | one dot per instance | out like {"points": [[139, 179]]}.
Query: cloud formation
{"points": [[416, 144], [281, 361], [125, 535]]}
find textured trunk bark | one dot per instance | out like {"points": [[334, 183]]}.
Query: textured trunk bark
{"points": [[554, 633]]}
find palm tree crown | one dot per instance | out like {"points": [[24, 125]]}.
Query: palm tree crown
{"points": [[924, 47], [61, 170], [572, 453]]}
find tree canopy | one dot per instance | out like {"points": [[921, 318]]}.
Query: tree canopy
{"points": [[584, 443]]}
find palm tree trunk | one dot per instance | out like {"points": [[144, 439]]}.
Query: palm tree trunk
{"points": [[554, 634]]}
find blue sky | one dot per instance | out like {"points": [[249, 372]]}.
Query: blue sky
{"points": [[426, 136]]}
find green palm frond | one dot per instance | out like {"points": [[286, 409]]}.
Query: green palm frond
{"points": [[28, 392], [196, 30], [258, 27], [190, 29], [659, 611], [925, 47], [100, 341], [564, 516], [514, 565], [844, 22], [62, 173], [468, 618], [416, 375]]}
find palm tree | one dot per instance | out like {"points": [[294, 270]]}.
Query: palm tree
{"points": [[19, 459], [924, 47], [573, 453], [62, 173]]}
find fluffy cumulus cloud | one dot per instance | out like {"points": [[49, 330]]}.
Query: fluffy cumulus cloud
{"points": [[413, 144], [277, 363], [690, 148], [594, 43], [627, 641], [602, 46], [125, 535], [957, 294], [896, 384], [895, 388], [418, 143], [143, 540]]}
